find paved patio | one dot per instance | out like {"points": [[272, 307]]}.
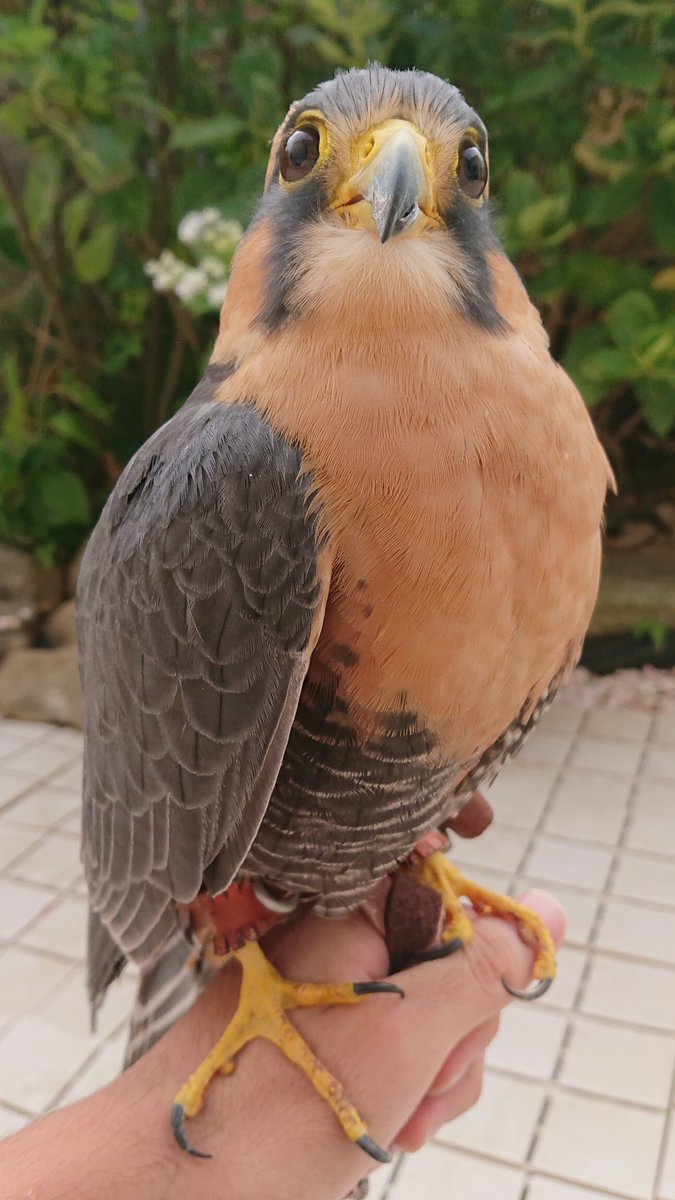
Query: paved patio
{"points": [[579, 1090]]}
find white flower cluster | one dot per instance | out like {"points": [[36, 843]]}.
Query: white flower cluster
{"points": [[213, 241]]}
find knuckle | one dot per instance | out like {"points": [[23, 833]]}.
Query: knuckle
{"points": [[499, 954], [486, 959]]}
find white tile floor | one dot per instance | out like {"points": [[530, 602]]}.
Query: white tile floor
{"points": [[579, 1088]]}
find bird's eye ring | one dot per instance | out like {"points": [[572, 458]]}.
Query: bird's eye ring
{"points": [[472, 170], [299, 153]]}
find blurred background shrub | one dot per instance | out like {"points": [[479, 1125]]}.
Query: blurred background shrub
{"points": [[118, 119]]}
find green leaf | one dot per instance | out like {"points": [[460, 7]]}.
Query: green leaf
{"points": [[125, 10], [82, 397], [657, 632], [610, 366], [93, 258], [255, 74], [611, 201], [541, 82], [661, 218], [596, 280], [22, 40], [61, 498], [15, 424], [101, 157], [581, 347], [635, 66], [543, 216], [16, 114], [188, 135], [629, 316], [522, 189], [70, 426], [42, 187], [657, 400], [45, 553], [75, 214]]}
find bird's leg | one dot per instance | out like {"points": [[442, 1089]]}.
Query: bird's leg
{"points": [[439, 874], [264, 999]]}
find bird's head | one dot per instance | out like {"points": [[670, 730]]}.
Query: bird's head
{"points": [[393, 152], [376, 187]]}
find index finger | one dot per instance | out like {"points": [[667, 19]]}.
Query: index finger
{"points": [[470, 981]]}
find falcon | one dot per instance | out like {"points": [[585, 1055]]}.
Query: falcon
{"points": [[331, 596]]}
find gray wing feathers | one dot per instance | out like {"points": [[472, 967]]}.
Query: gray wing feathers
{"points": [[197, 600]]}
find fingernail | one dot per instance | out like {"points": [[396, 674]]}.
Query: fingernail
{"points": [[549, 909]]}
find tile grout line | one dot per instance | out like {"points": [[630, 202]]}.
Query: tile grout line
{"points": [[534, 833], [663, 1148], [556, 1087], [84, 1066], [520, 871], [575, 1011], [607, 895], [391, 1181], [55, 895], [599, 1188], [592, 843], [556, 781], [539, 828], [589, 949], [59, 894], [41, 837]]}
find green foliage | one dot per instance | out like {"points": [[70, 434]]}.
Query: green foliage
{"points": [[44, 500], [116, 120], [657, 632]]}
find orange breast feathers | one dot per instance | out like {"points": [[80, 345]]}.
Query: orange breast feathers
{"points": [[458, 474]]}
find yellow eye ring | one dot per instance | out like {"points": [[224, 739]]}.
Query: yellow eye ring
{"points": [[305, 147], [471, 166]]}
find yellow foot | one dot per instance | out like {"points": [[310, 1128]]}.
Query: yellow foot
{"points": [[264, 999], [442, 876]]}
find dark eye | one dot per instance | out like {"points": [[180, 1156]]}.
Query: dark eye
{"points": [[300, 153], [473, 172]]}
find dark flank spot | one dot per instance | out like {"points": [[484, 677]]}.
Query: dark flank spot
{"points": [[367, 610], [213, 376], [361, 585], [401, 722], [345, 656]]}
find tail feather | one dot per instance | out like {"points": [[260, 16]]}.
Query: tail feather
{"points": [[105, 962], [167, 989]]}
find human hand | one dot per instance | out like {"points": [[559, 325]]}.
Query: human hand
{"points": [[409, 1065]]}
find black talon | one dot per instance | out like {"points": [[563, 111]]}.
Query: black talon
{"points": [[366, 1143], [178, 1127], [442, 951], [534, 993], [365, 989]]}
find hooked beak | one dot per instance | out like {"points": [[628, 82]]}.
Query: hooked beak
{"points": [[392, 190]]}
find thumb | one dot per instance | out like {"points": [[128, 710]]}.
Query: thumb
{"points": [[518, 962]]}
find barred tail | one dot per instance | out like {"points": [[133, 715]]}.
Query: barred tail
{"points": [[166, 991]]}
